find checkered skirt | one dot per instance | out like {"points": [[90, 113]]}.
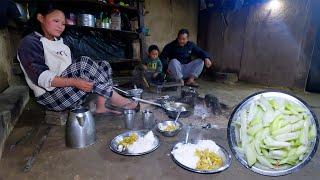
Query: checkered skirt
{"points": [[100, 73]]}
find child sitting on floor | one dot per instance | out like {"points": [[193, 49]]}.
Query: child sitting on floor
{"points": [[150, 71], [153, 66]]}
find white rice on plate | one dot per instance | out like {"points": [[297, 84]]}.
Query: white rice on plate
{"points": [[185, 153], [143, 144]]}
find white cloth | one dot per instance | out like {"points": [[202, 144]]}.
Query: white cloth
{"points": [[57, 57]]}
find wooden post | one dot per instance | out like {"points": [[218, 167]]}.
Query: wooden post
{"points": [[142, 37]]}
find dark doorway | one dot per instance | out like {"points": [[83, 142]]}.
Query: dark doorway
{"points": [[313, 82]]}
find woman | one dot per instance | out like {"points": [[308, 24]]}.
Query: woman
{"points": [[58, 81]]}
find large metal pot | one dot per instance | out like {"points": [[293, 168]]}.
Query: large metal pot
{"points": [[86, 20], [173, 109], [23, 12], [80, 129]]}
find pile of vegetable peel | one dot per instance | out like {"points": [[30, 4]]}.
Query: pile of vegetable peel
{"points": [[274, 132]]}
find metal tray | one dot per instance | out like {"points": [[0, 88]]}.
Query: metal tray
{"points": [[259, 168], [113, 145], [226, 157]]}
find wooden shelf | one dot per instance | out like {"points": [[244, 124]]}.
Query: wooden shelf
{"points": [[130, 34], [91, 4], [95, 8], [122, 60], [127, 8]]}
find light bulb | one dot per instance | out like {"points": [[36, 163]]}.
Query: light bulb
{"points": [[274, 5]]}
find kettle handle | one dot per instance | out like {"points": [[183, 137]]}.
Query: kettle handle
{"points": [[81, 120]]}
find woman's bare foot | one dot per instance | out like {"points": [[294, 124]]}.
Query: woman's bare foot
{"points": [[130, 105], [191, 82], [119, 101], [101, 108]]}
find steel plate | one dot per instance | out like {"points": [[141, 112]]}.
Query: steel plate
{"points": [[226, 157], [113, 145]]}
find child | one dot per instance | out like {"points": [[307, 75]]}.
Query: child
{"points": [[153, 66], [150, 70]]}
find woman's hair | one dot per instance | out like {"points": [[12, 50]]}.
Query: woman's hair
{"points": [[44, 9], [153, 47]]}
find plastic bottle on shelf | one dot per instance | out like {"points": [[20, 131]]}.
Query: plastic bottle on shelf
{"points": [[105, 21], [115, 20]]}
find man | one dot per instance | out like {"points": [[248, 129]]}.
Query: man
{"points": [[179, 53]]}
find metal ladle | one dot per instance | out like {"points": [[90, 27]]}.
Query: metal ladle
{"points": [[146, 101], [125, 92], [176, 120], [187, 134]]}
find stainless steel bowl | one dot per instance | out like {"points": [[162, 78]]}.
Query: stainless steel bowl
{"points": [[232, 134], [135, 93], [161, 126]]}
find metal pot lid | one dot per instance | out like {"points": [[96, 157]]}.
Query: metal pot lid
{"points": [[258, 168]]}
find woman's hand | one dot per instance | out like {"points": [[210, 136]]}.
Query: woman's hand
{"points": [[74, 82], [83, 85]]}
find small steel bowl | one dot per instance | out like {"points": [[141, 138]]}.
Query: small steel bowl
{"points": [[162, 125], [135, 93]]}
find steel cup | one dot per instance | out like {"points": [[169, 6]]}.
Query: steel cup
{"points": [[129, 118]]}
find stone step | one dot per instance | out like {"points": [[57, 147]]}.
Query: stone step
{"points": [[12, 102], [56, 118]]}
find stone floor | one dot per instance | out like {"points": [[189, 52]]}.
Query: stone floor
{"points": [[55, 161]]}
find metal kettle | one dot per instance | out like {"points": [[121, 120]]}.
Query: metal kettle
{"points": [[80, 129]]}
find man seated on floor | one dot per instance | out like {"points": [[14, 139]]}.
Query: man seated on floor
{"points": [[181, 66]]}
